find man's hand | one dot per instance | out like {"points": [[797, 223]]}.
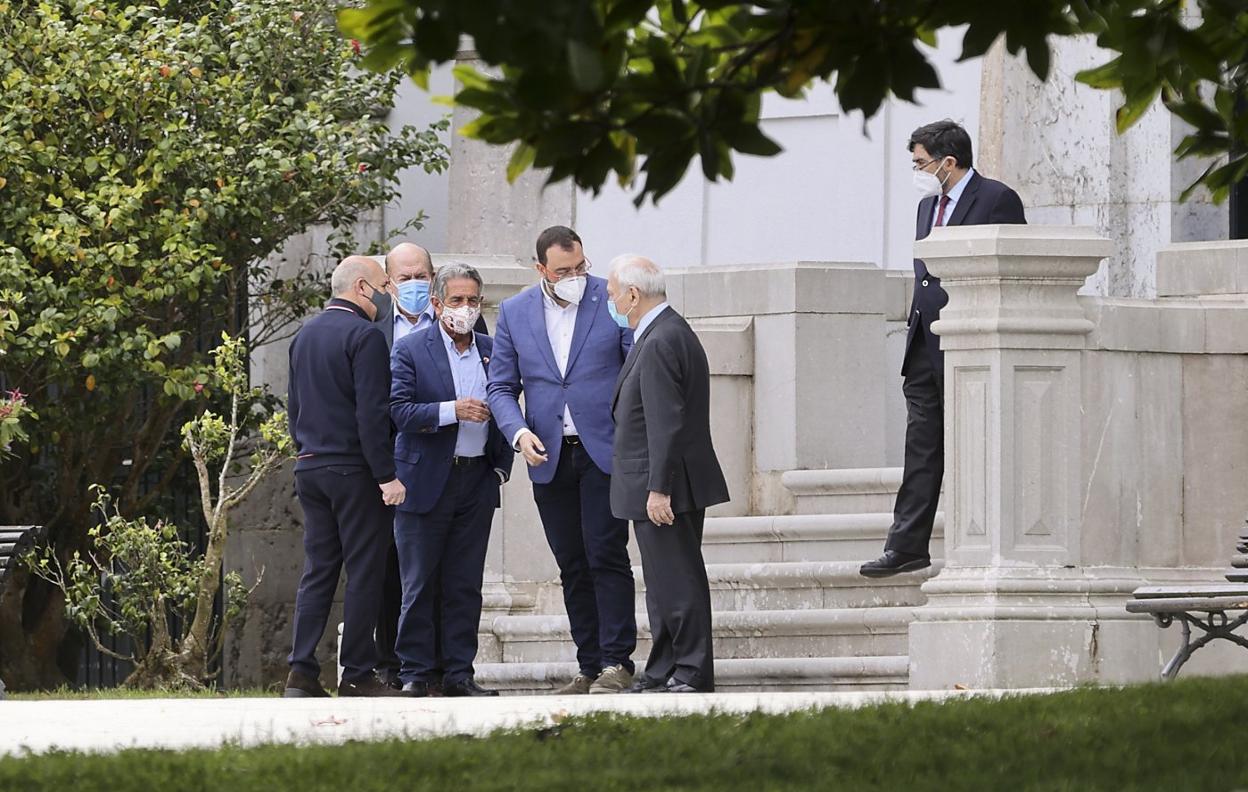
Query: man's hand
{"points": [[393, 492], [531, 448], [473, 410], [659, 509]]}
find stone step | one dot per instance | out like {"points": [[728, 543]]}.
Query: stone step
{"points": [[803, 537], [843, 491], [731, 675], [814, 633], [780, 585]]}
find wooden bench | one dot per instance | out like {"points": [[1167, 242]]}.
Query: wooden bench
{"points": [[14, 540], [1216, 609]]}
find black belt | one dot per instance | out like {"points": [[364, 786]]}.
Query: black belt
{"points": [[466, 461], [571, 440]]}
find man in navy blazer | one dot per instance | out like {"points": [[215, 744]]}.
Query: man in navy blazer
{"points": [[954, 194], [557, 341], [453, 458]]}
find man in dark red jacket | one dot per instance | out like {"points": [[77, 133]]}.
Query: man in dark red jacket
{"points": [[953, 194]]}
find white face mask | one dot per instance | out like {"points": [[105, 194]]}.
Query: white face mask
{"points": [[929, 183], [460, 320], [926, 183], [571, 289]]}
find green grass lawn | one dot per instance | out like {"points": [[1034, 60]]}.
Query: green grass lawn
{"points": [[1187, 735], [73, 694]]}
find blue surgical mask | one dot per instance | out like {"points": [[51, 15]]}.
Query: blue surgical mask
{"points": [[620, 319], [414, 296]]}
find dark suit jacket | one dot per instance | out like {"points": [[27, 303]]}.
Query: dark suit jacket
{"points": [[421, 381], [984, 202], [662, 411]]}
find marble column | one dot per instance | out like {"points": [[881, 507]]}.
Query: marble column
{"points": [[1015, 606], [1055, 143]]}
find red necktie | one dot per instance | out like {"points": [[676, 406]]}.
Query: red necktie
{"points": [[940, 213]]}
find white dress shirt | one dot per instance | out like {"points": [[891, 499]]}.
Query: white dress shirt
{"points": [[560, 327], [955, 192]]}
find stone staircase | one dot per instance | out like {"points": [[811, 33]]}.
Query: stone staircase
{"points": [[790, 610]]}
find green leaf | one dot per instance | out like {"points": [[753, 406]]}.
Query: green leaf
{"points": [[749, 139], [1105, 76], [585, 65], [1134, 108], [521, 160]]}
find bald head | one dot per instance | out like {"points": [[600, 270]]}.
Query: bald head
{"points": [[350, 270], [409, 261]]}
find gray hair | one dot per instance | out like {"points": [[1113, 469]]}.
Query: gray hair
{"points": [[639, 272], [349, 270], [454, 271]]}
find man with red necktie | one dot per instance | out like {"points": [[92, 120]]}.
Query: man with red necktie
{"points": [[953, 194]]}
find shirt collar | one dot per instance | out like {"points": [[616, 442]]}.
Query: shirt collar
{"points": [[549, 301], [649, 318], [450, 342], [955, 192], [400, 317]]}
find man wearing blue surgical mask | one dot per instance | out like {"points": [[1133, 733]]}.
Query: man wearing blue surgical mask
{"points": [[410, 268]]}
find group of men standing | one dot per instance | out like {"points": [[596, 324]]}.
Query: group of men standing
{"points": [[401, 455], [615, 427]]}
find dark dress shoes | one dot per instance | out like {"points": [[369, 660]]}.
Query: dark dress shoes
{"points": [[674, 685], [894, 563], [303, 686], [647, 685], [369, 686], [417, 689], [466, 687]]}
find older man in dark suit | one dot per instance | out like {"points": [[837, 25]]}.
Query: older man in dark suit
{"points": [[954, 194], [666, 473]]}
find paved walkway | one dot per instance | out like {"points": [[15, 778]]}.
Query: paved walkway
{"points": [[110, 725]]}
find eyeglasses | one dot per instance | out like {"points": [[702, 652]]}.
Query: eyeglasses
{"points": [[458, 302], [918, 165], [581, 270]]}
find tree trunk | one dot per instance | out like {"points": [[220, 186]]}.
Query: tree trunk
{"points": [[32, 633]]}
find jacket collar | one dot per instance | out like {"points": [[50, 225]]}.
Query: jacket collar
{"points": [[338, 302]]}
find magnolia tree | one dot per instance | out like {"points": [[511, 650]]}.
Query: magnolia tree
{"points": [[141, 581], [154, 159]]}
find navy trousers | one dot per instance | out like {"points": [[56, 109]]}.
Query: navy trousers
{"points": [[591, 549], [442, 553], [345, 523]]}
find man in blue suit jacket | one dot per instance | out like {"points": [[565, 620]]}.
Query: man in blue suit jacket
{"points": [[454, 459], [558, 342], [954, 194]]}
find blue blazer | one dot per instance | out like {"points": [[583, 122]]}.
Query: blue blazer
{"points": [[420, 381], [984, 201], [524, 361]]}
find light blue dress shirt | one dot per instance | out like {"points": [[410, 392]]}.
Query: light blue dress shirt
{"points": [[403, 327], [955, 193], [470, 381], [648, 319]]}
